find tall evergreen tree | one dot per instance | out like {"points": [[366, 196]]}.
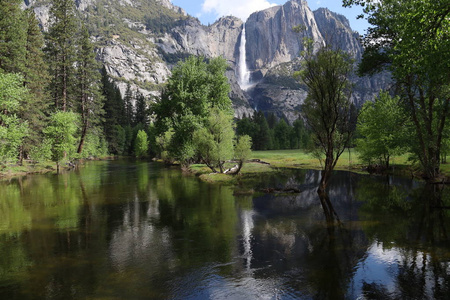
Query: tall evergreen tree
{"points": [[114, 112], [12, 36], [89, 94], [61, 52], [34, 107], [128, 101], [141, 116], [262, 138]]}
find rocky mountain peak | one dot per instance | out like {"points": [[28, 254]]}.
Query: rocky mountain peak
{"points": [[139, 41]]}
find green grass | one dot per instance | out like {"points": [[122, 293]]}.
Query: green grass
{"points": [[13, 170], [278, 159]]}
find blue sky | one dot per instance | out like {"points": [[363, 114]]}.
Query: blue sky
{"points": [[209, 11]]}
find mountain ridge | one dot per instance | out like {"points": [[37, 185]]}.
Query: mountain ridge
{"points": [[139, 42]]}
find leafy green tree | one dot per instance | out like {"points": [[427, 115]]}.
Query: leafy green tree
{"points": [[21, 52], [141, 144], [242, 150], [60, 132], [12, 129], [411, 39], [89, 92], [326, 109], [193, 89], [163, 142], [61, 53], [95, 145], [382, 126], [214, 141]]}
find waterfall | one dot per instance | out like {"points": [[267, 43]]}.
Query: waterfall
{"points": [[244, 74]]}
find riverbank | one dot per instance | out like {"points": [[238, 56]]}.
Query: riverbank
{"points": [[298, 159], [31, 167], [260, 162]]}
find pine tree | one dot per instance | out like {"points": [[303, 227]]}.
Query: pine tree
{"points": [[114, 112], [141, 116], [12, 36], [89, 94], [129, 113], [34, 108], [61, 52], [262, 138]]}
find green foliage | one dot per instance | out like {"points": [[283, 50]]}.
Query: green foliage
{"points": [[34, 109], [214, 141], [300, 135], [12, 36], [382, 126], [42, 151], [242, 150], [270, 134], [128, 104], [163, 143], [88, 90], [12, 129], [262, 140], [162, 23], [141, 144], [113, 112], [282, 132], [60, 132], [194, 88], [96, 145], [326, 108], [411, 39], [61, 53], [142, 114]]}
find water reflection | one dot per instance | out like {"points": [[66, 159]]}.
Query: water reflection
{"points": [[137, 230]]}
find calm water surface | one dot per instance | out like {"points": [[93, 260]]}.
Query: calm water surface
{"points": [[134, 230]]}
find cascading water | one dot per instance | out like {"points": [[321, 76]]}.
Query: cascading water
{"points": [[244, 74]]}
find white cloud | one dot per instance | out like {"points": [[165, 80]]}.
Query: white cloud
{"points": [[238, 8]]}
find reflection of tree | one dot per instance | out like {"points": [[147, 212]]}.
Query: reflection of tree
{"points": [[201, 216], [415, 227], [311, 245]]}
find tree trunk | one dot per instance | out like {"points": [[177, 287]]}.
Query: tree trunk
{"points": [[83, 137], [21, 155]]}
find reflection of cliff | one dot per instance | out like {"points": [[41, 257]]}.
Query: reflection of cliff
{"points": [[137, 230]]}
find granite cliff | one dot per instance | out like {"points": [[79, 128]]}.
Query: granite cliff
{"points": [[139, 41]]}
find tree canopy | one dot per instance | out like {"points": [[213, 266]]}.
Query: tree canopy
{"points": [[383, 129], [411, 38], [327, 106], [195, 87]]}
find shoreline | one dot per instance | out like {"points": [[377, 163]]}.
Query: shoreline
{"points": [[260, 162]]}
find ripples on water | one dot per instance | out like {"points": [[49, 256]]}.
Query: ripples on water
{"points": [[132, 230]]}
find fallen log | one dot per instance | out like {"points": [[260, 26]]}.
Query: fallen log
{"points": [[278, 190]]}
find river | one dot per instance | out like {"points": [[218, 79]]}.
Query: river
{"points": [[138, 230]]}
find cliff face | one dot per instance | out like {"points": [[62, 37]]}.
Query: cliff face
{"points": [[271, 37], [273, 55], [139, 41]]}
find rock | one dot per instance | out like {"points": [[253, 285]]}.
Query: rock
{"points": [[145, 56]]}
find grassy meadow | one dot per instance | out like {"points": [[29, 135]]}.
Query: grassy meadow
{"points": [[278, 159]]}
